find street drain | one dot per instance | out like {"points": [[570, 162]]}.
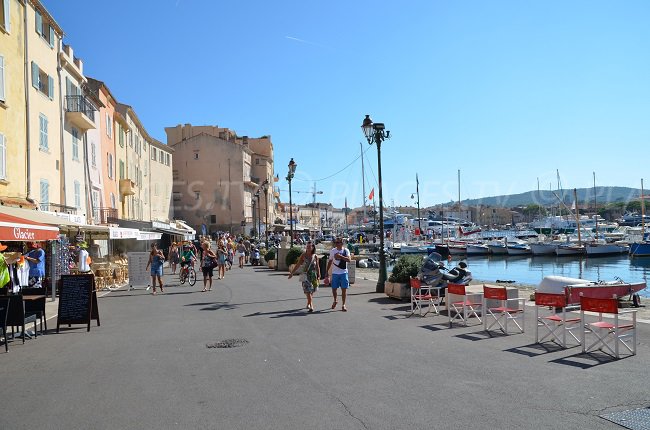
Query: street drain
{"points": [[634, 419], [227, 343]]}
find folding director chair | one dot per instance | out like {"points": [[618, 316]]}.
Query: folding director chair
{"points": [[554, 325], [503, 312], [609, 335], [469, 305]]}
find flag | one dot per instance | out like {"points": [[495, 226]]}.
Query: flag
{"points": [[371, 196]]}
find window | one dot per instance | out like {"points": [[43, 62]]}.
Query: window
{"points": [[43, 82], [146, 195], [3, 156], [167, 159], [121, 138], [93, 154], [42, 143], [175, 174], [196, 155], [122, 169], [257, 161], [146, 167], [5, 15], [197, 195], [155, 189], [113, 205], [213, 219], [154, 154], [161, 157], [77, 194], [110, 165], [3, 97], [71, 89], [45, 194], [96, 204], [109, 126], [44, 29], [75, 144], [131, 140]]}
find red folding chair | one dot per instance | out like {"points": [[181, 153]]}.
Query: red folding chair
{"points": [[469, 305], [555, 325], [424, 295], [617, 332], [504, 311]]}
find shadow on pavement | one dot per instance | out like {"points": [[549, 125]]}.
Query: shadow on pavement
{"points": [[282, 314], [585, 360], [535, 349]]}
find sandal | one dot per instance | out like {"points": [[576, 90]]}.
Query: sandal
{"points": [[203, 290], [334, 304], [344, 309]]}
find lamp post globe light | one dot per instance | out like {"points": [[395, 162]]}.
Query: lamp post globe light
{"points": [[376, 133], [292, 171], [265, 188]]}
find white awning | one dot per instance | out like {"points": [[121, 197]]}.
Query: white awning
{"points": [[37, 216], [149, 235], [123, 233]]}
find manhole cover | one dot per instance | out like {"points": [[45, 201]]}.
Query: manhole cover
{"points": [[227, 343], [634, 419]]}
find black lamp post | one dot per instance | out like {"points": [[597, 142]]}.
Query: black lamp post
{"points": [[377, 133], [265, 188], [259, 216], [253, 205], [417, 191], [292, 171]]}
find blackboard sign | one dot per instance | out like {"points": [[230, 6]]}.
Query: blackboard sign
{"points": [[77, 301]]}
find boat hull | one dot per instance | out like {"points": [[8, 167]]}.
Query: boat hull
{"points": [[640, 249], [574, 287], [595, 250], [498, 249], [542, 248], [569, 250], [518, 251], [477, 250]]}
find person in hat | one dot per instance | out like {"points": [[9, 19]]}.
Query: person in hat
{"points": [[84, 259], [36, 260]]}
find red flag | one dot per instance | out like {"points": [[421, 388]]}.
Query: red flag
{"points": [[371, 196]]}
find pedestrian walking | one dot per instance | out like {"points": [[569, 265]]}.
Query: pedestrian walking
{"points": [[247, 245], [308, 262], [36, 260], [222, 254], [156, 260], [174, 256], [207, 266], [338, 262], [241, 253]]}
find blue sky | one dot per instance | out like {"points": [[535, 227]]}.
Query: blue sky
{"points": [[505, 91]]}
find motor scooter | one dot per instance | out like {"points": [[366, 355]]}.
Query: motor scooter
{"points": [[434, 273]]}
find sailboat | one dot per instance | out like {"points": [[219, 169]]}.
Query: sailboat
{"points": [[573, 248], [641, 248], [600, 247]]}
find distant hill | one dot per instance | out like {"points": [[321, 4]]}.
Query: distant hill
{"points": [[547, 198]]}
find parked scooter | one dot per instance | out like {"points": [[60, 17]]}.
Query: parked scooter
{"points": [[434, 273]]}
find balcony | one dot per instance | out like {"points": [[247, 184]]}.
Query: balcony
{"points": [[53, 207], [106, 216], [80, 111], [127, 187], [253, 182]]}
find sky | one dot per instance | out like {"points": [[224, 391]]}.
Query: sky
{"points": [[507, 92]]}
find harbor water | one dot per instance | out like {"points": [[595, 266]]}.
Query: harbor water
{"points": [[531, 269]]}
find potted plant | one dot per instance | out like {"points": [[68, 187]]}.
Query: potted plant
{"points": [[269, 257], [398, 284], [292, 257]]}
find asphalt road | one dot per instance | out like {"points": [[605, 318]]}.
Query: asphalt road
{"points": [[148, 367]]}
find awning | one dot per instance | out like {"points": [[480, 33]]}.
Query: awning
{"points": [[37, 216], [182, 226], [19, 229], [123, 233], [149, 235]]}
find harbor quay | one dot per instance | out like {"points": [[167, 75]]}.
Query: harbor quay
{"points": [[248, 355]]}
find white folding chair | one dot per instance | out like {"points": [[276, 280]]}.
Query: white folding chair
{"points": [[609, 335], [504, 311], [555, 325], [424, 295], [469, 305]]}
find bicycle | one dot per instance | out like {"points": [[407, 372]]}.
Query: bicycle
{"points": [[188, 274]]}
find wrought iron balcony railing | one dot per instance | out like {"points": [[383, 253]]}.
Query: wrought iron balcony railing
{"points": [[80, 104]]}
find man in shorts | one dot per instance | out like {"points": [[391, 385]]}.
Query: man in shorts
{"points": [[338, 262]]}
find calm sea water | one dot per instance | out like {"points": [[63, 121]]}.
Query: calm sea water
{"points": [[531, 270]]}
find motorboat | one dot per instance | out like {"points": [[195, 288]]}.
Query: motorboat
{"points": [[574, 287], [640, 249], [457, 248], [595, 249], [477, 249], [543, 248], [518, 249], [497, 247]]}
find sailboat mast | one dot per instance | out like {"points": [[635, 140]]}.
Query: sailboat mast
{"points": [[575, 197], [642, 211], [363, 183], [595, 206]]}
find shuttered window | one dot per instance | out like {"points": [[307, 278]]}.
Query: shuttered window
{"points": [[3, 156], [75, 144], [5, 15], [45, 194], [77, 194], [2, 79], [42, 81], [42, 142], [110, 166]]}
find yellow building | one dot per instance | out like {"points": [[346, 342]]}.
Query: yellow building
{"points": [[160, 182], [13, 136], [43, 107]]}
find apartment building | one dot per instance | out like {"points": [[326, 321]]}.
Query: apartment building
{"points": [[13, 135], [43, 151], [160, 182], [216, 176]]}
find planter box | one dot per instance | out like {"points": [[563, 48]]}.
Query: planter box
{"points": [[397, 290], [272, 264]]}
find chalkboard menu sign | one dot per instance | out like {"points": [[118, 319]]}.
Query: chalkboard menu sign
{"points": [[77, 301]]}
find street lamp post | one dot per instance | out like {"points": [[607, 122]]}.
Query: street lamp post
{"points": [[376, 133], [292, 171], [259, 215], [253, 205], [265, 187], [417, 191]]}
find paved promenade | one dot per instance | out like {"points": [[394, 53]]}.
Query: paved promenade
{"points": [[148, 366]]}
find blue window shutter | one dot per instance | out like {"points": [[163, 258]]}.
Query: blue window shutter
{"points": [[39, 23], [7, 22], [50, 87], [34, 75], [51, 37]]}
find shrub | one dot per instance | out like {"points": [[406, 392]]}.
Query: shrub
{"points": [[270, 255], [293, 255], [407, 266]]}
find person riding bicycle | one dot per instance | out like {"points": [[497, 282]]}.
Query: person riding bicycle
{"points": [[187, 257]]}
